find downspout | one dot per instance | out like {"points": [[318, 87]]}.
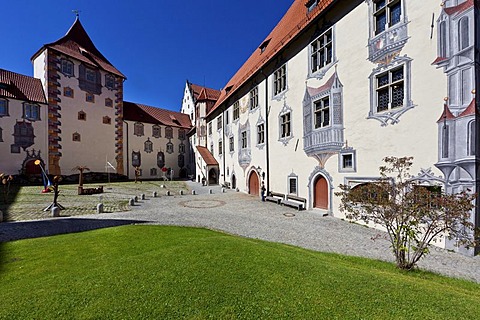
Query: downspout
{"points": [[224, 145], [128, 167], [267, 144]]}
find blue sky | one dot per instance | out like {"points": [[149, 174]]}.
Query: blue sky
{"points": [[156, 44]]}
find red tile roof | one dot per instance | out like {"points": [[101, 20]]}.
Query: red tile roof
{"points": [[438, 60], [77, 44], [17, 86], [459, 8], [293, 23], [446, 115], [207, 156], [142, 113], [204, 92]]}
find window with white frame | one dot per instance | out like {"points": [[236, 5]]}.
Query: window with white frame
{"points": [[210, 128], [170, 147], [244, 139], [253, 95], [321, 51], [280, 80], [236, 110], [386, 13], [322, 113], [67, 67], [31, 111], [347, 160], [285, 125], [219, 123], [220, 147], [442, 45], [109, 81], [232, 143], [292, 184], [390, 89], [138, 129], [261, 133], [148, 146], [3, 107]]}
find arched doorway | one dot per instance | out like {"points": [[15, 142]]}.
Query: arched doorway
{"points": [[183, 173], [212, 176], [320, 193], [253, 185], [234, 182], [31, 168]]}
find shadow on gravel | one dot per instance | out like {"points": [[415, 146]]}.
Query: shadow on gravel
{"points": [[11, 231]]}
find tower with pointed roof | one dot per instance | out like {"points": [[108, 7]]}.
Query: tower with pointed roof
{"points": [[85, 103]]}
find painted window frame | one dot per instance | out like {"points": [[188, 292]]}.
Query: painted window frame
{"points": [[67, 67], [106, 120], [108, 103], [148, 146], [463, 33], [76, 137], [348, 151], [253, 99], [181, 134], [82, 115], [319, 69], [169, 147], [292, 178], [156, 131], [236, 110], [110, 82], [153, 172], [169, 132], [89, 97], [138, 129], [31, 111], [68, 92], [181, 148], [279, 80], [210, 129], [4, 113], [261, 133], [285, 125], [231, 140], [471, 138], [219, 122], [386, 11], [220, 147], [244, 139], [324, 109]]}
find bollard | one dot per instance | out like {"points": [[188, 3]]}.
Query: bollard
{"points": [[210, 191], [100, 208], [154, 194], [135, 199], [223, 190], [193, 192], [162, 186], [168, 193], [131, 202], [142, 196], [55, 212], [181, 192]]}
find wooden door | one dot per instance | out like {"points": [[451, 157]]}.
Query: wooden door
{"points": [[321, 193], [234, 182], [253, 185]]}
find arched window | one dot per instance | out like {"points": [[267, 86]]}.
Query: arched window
{"points": [[443, 39], [471, 138], [463, 33]]}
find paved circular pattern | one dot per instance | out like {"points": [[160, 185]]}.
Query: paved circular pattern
{"points": [[202, 204], [289, 215]]}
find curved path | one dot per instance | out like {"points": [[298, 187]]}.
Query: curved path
{"points": [[247, 216]]}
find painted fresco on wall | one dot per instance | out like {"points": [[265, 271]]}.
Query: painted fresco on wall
{"points": [[24, 136]]}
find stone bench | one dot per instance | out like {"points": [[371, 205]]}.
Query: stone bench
{"points": [[294, 201], [275, 197]]}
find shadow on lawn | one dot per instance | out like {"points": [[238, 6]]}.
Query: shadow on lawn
{"points": [[10, 231]]}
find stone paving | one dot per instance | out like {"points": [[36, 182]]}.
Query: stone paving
{"points": [[244, 215]]}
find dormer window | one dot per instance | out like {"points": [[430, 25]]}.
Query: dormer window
{"points": [[264, 45], [110, 81], [67, 68], [311, 4]]}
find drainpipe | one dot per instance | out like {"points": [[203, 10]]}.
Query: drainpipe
{"points": [[267, 144], [128, 167], [224, 146]]}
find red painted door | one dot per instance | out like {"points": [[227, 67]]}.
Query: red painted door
{"points": [[253, 184], [321, 193]]}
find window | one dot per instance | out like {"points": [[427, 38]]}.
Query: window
{"points": [[181, 134], [443, 39], [253, 98], [211, 148], [110, 81], [138, 129], [108, 102], [148, 146], [386, 12], [68, 92], [390, 89], [280, 80], [82, 116], [209, 128], [181, 160], [236, 110], [322, 113], [311, 4], [181, 148], [285, 125], [219, 123], [156, 131], [220, 147], [466, 90], [347, 160], [321, 51], [136, 158], [244, 139], [169, 132], [232, 144], [3, 107], [160, 159], [170, 147], [153, 171], [76, 137], [463, 33], [31, 111], [90, 75], [1, 135], [89, 97], [261, 133], [471, 138], [89, 80], [107, 120], [445, 141], [67, 67], [292, 185]]}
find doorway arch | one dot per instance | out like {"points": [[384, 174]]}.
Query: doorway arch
{"points": [[253, 184], [212, 176], [30, 168], [320, 193]]}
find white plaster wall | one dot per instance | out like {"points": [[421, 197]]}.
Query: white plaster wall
{"points": [[97, 143], [188, 105], [40, 67], [11, 163]]}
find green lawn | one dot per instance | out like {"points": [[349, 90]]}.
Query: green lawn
{"points": [[156, 272]]}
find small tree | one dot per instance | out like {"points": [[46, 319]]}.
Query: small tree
{"points": [[413, 216]]}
